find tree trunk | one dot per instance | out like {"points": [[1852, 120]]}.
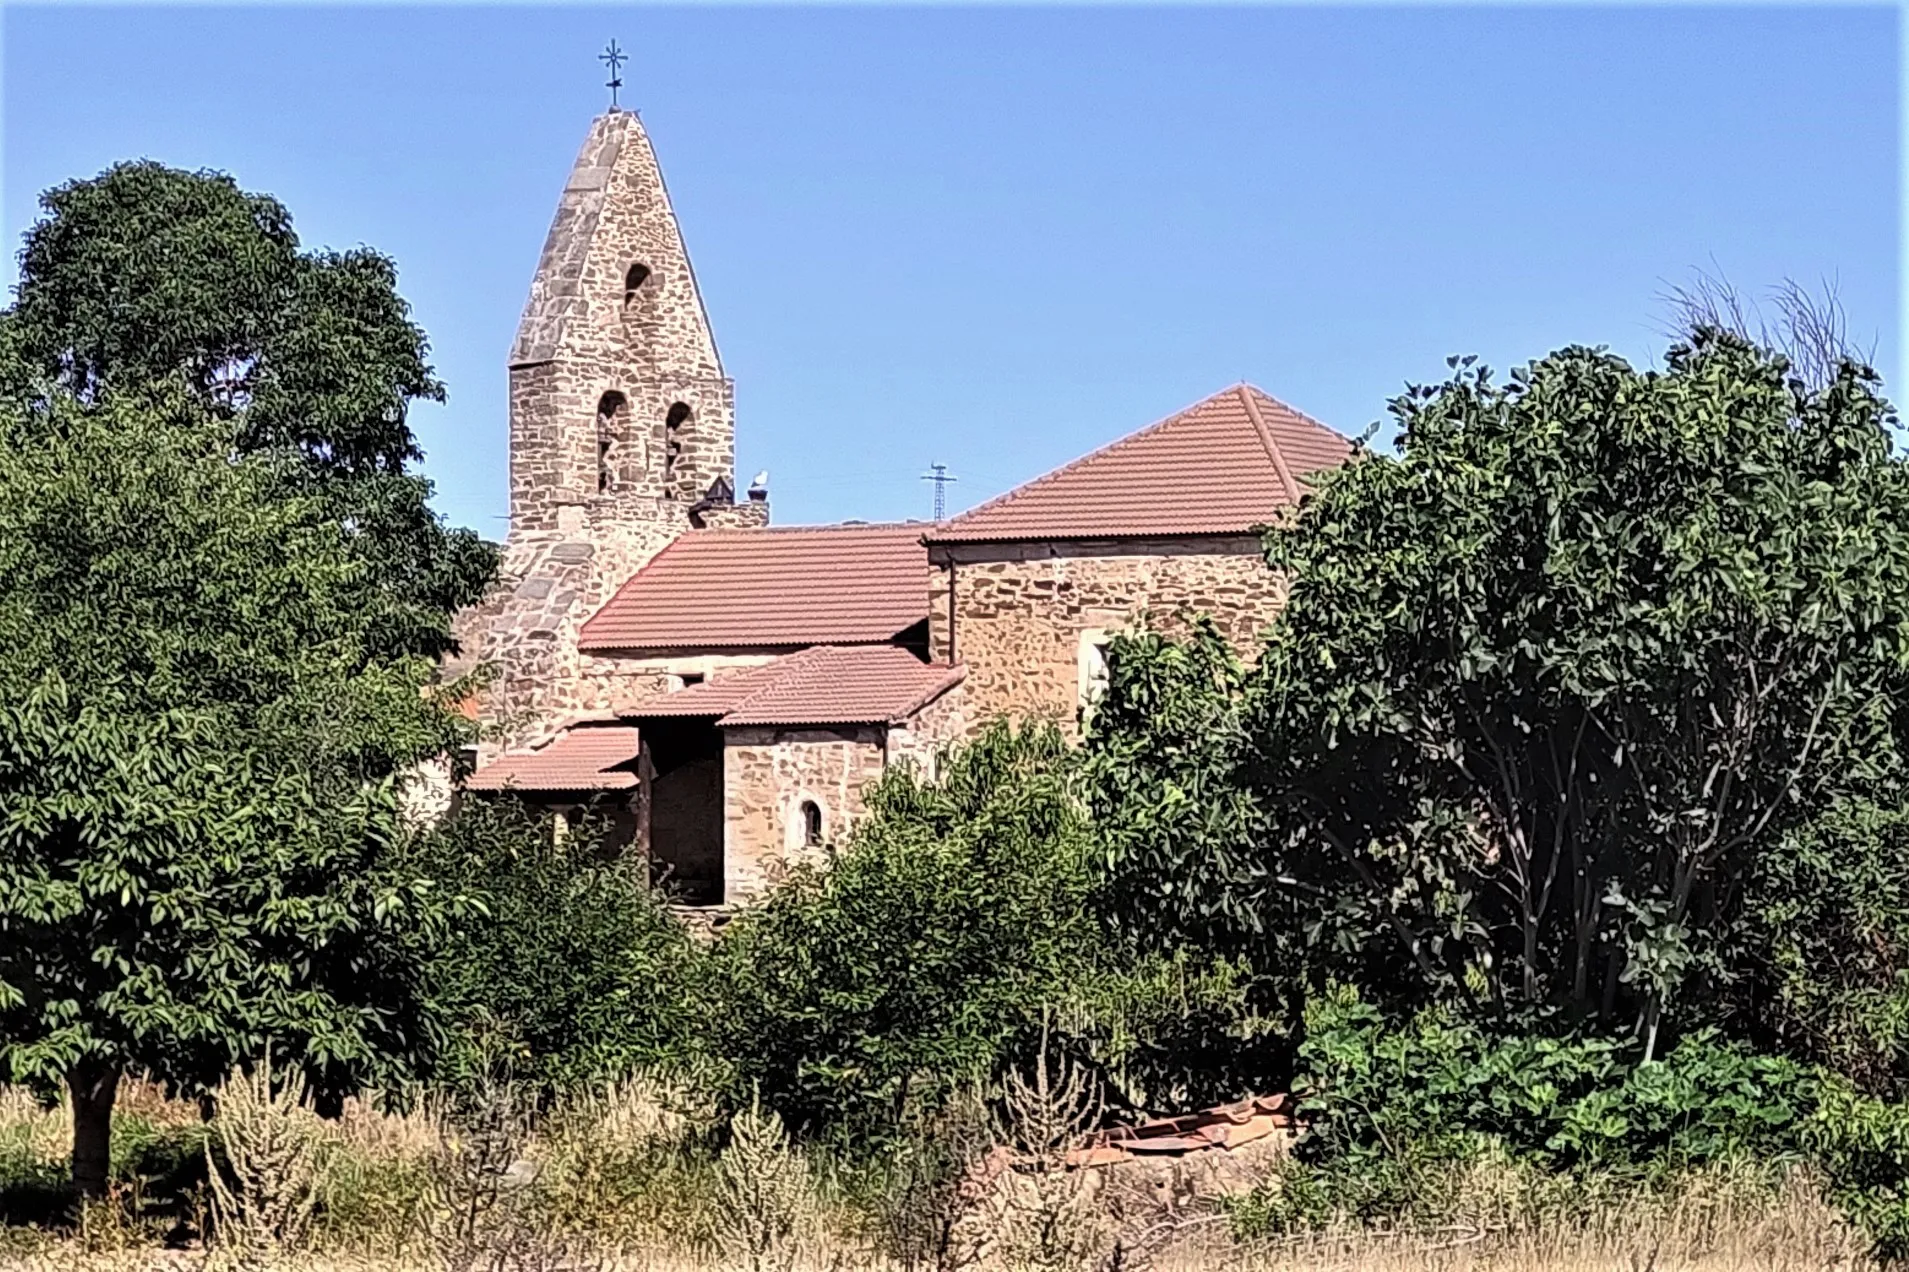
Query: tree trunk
{"points": [[93, 1084]]}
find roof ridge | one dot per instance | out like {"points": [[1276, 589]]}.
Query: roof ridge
{"points": [[1298, 414], [953, 674], [751, 531], [1245, 392], [1033, 482]]}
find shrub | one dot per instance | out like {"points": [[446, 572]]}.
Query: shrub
{"points": [[1576, 1104], [566, 961], [1818, 963], [860, 992]]}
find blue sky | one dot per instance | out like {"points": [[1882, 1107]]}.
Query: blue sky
{"points": [[999, 237]]}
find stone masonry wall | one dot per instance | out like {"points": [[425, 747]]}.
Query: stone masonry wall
{"points": [[767, 774], [922, 739], [586, 333], [1022, 612], [613, 317]]}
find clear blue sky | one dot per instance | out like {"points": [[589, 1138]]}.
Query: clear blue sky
{"points": [[1000, 237]]}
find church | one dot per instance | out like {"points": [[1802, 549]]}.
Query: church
{"points": [[726, 687]]}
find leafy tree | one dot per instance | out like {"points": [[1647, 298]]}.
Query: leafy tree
{"points": [[860, 991], [201, 738], [1549, 681], [1818, 964], [942, 943], [147, 274], [1182, 830], [574, 966]]}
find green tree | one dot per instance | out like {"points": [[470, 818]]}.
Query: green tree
{"points": [[940, 944], [576, 967], [860, 991], [146, 275], [1818, 964], [1549, 681], [202, 735]]}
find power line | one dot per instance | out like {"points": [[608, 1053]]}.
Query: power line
{"points": [[939, 474]]}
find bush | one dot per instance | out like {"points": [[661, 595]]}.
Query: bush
{"points": [[1818, 964], [1397, 1114], [859, 993], [566, 961], [1577, 1104]]}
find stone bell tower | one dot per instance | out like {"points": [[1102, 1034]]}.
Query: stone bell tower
{"points": [[622, 424]]}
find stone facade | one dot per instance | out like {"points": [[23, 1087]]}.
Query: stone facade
{"points": [[622, 431], [922, 738], [768, 775], [1025, 618]]}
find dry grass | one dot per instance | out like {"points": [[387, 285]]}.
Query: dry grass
{"points": [[630, 1180]]}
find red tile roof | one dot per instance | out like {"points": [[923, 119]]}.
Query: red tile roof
{"points": [[1222, 466], [827, 684], [798, 585], [584, 758]]}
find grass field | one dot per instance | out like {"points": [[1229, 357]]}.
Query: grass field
{"points": [[633, 1181]]}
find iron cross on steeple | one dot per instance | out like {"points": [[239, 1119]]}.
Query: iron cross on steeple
{"points": [[613, 58]]}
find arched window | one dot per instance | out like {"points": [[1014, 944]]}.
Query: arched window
{"points": [[673, 427], [613, 425], [811, 824], [634, 280]]}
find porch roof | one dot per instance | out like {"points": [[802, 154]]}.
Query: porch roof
{"points": [[585, 757], [825, 684]]}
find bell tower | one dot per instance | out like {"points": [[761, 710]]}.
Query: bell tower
{"points": [[617, 395], [622, 424]]}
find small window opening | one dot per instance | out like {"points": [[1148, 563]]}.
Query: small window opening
{"points": [[691, 678], [673, 445], [613, 423], [634, 280], [1093, 672], [811, 824]]}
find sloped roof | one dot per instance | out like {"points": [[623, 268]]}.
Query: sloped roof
{"points": [[584, 758], [826, 684], [796, 585], [1224, 465]]}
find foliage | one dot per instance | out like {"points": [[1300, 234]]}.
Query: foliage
{"points": [[1570, 1103], [1398, 1113], [911, 964], [1182, 830], [1176, 826], [1818, 965], [200, 736], [1862, 1146], [1548, 682], [147, 275], [571, 964]]}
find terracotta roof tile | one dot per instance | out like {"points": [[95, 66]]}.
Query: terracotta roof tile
{"points": [[797, 585], [1222, 466], [585, 758], [827, 684]]}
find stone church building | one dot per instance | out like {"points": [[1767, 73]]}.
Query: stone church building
{"points": [[729, 687]]}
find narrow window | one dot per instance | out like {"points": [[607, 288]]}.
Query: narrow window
{"points": [[811, 824], [613, 423], [633, 282], [691, 678], [673, 426], [1093, 671]]}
